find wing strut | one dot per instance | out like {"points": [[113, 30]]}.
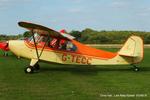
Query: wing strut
{"points": [[35, 45], [44, 46], [37, 53]]}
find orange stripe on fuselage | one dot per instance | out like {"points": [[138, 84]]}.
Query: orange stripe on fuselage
{"points": [[86, 50], [81, 50]]}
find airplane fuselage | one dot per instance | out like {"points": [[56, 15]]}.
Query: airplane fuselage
{"points": [[23, 48]]}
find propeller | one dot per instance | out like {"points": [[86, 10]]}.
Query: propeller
{"points": [[4, 47]]}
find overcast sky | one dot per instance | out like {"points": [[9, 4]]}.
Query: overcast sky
{"points": [[75, 14]]}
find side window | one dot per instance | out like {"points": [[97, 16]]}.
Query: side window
{"points": [[61, 44], [58, 44], [53, 43], [39, 39], [68, 46]]}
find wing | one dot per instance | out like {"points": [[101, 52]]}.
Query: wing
{"points": [[44, 30]]}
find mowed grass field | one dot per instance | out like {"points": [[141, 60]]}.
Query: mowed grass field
{"points": [[64, 82]]}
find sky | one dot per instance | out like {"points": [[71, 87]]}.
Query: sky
{"points": [[75, 14]]}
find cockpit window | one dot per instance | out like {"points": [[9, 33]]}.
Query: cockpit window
{"points": [[59, 44], [38, 38], [70, 46]]}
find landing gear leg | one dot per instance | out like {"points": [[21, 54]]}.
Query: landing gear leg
{"points": [[34, 66], [136, 69], [5, 53], [31, 69]]}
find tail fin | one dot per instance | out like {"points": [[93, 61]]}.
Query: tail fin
{"points": [[133, 48]]}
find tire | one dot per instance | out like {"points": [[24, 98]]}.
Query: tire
{"points": [[37, 66], [136, 69], [29, 69]]}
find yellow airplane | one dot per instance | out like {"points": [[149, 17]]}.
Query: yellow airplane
{"points": [[49, 45]]}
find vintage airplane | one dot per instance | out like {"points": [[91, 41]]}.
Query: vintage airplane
{"points": [[49, 45]]}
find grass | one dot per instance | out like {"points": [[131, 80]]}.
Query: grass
{"points": [[61, 82]]}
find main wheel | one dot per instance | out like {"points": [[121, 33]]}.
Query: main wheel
{"points": [[136, 69], [29, 69], [37, 66]]}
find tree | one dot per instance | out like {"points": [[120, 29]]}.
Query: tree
{"points": [[27, 34], [76, 34]]}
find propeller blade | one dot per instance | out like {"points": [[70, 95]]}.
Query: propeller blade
{"points": [[4, 46]]}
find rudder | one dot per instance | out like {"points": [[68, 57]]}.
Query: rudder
{"points": [[133, 47]]}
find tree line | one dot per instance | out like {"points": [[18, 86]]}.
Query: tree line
{"points": [[4, 37], [90, 36]]}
